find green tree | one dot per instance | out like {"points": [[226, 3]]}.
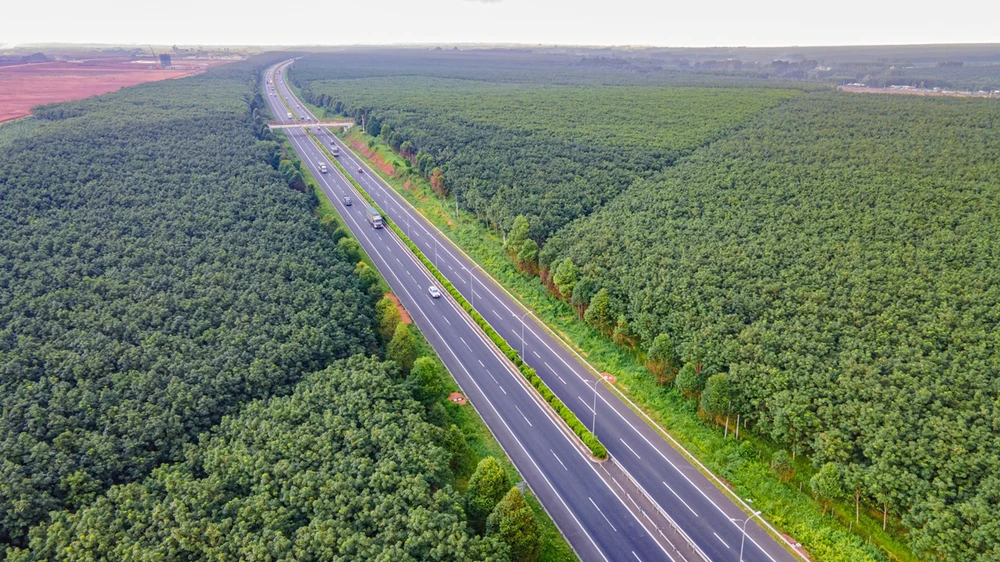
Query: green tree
{"points": [[583, 291], [689, 382], [828, 484], [783, 465], [517, 236], [351, 249], [402, 348], [599, 313], [369, 279], [426, 381], [513, 522], [487, 486], [717, 396], [458, 447], [565, 278], [385, 131], [527, 258], [387, 318], [660, 358]]}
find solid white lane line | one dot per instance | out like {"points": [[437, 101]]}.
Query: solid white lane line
{"points": [[558, 459], [524, 416], [602, 514], [682, 500], [630, 448], [720, 539]]}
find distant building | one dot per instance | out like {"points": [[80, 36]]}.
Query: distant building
{"points": [[164, 61]]}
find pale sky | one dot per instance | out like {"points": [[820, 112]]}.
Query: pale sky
{"points": [[694, 23]]}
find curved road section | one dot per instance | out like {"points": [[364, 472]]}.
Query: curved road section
{"points": [[709, 518]]}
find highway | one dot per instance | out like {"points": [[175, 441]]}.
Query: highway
{"points": [[595, 521], [708, 516]]}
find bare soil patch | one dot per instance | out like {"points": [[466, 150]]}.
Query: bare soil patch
{"points": [[404, 316], [25, 86], [457, 398]]}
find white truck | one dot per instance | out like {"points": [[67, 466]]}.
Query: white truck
{"points": [[374, 218], [335, 151]]}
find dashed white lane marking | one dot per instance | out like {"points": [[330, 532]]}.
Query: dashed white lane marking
{"points": [[630, 448], [589, 408], [720, 540], [678, 497], [602, 514], [465, 342], [446, 320], [558, 459], [524, 416], [481, 363], [636, 556], [536, 354], [502, 390]]}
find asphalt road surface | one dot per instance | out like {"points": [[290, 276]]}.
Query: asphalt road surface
{"points": [[602, 527]]}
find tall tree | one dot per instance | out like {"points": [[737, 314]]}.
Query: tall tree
{"points": [[387, 317], [487, 486], [660, 358], [402, 348], [513, 522]]}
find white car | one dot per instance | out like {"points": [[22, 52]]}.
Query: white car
{"points": [[435, 293]]}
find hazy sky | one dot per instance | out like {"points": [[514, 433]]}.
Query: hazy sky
{"points": [[579, 22]]}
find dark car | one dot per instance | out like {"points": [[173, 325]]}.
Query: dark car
{"points": [[348, 202]]}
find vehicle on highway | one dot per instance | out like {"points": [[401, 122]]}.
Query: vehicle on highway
{"points": [[434, 291], [348, 202], [360, 171], [322, 168], [335, 150], [290, 115], [374, 218]]}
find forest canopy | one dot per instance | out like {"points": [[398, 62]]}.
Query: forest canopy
{"points": [[343, 468], [156, 274]]}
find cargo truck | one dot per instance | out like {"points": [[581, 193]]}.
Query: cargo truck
{"points": [[335, 151], [374, 218]]}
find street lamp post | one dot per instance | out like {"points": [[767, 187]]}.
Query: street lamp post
{"points": [[744, 537]]}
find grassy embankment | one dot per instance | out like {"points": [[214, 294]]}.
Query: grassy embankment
{"points": [[744, 464], [481, 442]]}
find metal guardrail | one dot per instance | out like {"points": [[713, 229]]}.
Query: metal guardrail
{"points": [[670, 520]]}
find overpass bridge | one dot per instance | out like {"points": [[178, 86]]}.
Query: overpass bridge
{"points": [[306, 124]]}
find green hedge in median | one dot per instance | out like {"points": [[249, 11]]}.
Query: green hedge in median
{"points": [[589, 439]]}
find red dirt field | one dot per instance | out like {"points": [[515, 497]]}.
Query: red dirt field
{"points": [[27, 85]]}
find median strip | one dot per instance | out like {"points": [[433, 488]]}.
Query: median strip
{"points": [[597, 449]]}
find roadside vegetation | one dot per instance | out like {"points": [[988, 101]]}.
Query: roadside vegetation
{"points": [[817, 278]]}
